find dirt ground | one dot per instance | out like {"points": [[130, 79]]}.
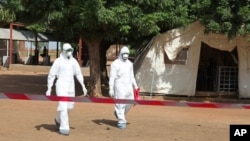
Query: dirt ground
{"points": [[34, 120]]}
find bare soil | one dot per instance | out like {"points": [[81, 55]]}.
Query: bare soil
{"points": [[23, 120]]}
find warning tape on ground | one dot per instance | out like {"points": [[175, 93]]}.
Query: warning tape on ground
{"points": [[123, 101]]}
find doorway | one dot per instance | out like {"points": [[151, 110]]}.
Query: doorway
{"points": [[217, 70]]}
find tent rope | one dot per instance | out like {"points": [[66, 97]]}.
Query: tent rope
{"points": [[141, 50], [139, 57]]}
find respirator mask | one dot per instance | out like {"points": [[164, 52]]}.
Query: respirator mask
{"points": [[125, 56], [69, 53]]}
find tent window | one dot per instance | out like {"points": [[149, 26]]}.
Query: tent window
{"points": [[181, 58]]}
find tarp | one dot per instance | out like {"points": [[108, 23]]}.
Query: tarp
{"points": [[23, 35], [112, 52], [154, 76]]}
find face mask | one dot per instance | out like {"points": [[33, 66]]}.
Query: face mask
{"points": [[125, 56], [69, 54]]}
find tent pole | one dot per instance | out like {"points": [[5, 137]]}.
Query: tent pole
{"points": [[152, 83], [153, 77]]}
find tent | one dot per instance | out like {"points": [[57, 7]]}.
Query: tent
{"points": [[171, 64], [113, 52]]}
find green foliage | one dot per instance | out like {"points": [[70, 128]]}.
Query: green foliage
{"points": [[119, 20], [7, 12], [6, 15], [127, 20], [132, 52], [37, 27], [230, 17]]}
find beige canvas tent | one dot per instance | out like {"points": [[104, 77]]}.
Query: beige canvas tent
{"points": [[183, 61], [113, 52]]}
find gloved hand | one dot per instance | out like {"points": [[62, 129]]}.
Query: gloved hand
{"points": [[135, 85], [48, 92], [85, 91], [138, 89], [111, 93]]}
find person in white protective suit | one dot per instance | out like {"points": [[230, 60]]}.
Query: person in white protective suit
{"points": [[121, 85], [64, 69]]}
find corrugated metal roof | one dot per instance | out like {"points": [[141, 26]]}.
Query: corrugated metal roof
{"points": [[24, 35]]}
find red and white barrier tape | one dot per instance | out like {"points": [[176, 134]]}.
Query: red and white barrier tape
{"points": [[124, 101]]}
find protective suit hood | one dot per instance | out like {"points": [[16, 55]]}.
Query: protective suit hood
{"points": [[124, 54], [67, 50]]}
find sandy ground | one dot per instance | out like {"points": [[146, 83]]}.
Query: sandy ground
{"points": [[34, 120]]}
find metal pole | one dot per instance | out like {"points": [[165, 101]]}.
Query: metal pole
{"points": [[8, 47], [11, 38], [11, 42]]}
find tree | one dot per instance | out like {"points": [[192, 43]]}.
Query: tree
{"points": [[6, 14], [122, 21], [104, 20], [129, 21], [229, 17]]}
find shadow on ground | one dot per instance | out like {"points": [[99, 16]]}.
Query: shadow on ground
{"points": [[106, 122], [50, 127]]}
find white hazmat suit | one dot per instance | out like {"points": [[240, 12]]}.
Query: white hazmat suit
{"points": [[64, 69], [121, 84]]}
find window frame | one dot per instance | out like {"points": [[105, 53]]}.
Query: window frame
{"points": [[181, 58]]}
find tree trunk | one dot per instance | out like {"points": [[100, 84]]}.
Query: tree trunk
{"points": [[94, 59], [103, 61]]}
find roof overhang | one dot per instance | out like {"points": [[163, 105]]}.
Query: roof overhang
{"points": [[23, 35]]}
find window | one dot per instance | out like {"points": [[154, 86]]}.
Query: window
{"points": [[228, 79], [180, 59]]}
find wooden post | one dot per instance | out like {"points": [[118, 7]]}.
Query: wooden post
{"points": [[80, 51], [116, 50]]}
